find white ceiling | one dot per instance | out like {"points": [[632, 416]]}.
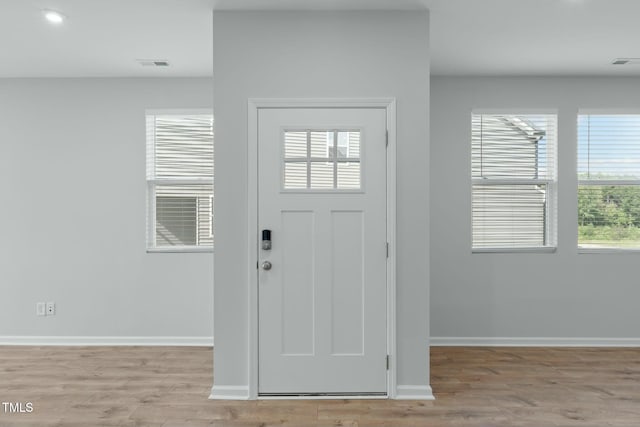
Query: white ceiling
{"points": [[534, 37], [103, 38]]}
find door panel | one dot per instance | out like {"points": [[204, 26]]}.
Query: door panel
{"points": [[347, 284], [322, 306], [297, 283]]}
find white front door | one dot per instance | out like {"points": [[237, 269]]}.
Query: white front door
{"points": [[322, 292]]}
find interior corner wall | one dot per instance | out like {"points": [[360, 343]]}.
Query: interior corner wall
{"points": [[73, 215], [320, 55], [562, 298]]}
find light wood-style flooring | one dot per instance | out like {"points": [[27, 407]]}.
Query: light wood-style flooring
{"points": [[168, 386]]}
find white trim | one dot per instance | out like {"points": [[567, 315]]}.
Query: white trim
{"points": [[414, 392], [539, 249], [321, 102], [229, 392], [173, 181], [332, 397], [605, 182], [180, 249], [253, 105], [609, 250], [107, 341], [252, 254], [178, 111], [503, 181], [608, 111], [514, 111], [533, 342], [392, 241]]}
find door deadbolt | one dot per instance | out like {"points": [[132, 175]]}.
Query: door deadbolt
{"points": [[266, 265]]}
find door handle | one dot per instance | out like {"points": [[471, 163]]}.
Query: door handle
{"points": [[266, 265]]}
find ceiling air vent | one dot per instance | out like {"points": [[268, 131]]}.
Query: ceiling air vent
{"points": [[626, 61], [153, 62]]}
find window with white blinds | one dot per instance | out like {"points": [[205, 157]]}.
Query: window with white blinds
{"points": [[513, 170], [180, 181], [608, 181]]}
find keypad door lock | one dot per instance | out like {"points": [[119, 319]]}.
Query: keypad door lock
{"points": [[266, 240]]}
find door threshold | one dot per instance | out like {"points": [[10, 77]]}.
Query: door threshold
{"points": [[321, 396]]}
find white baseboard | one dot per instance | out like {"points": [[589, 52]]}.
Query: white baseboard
{"points": [[107, 341], [532, 342], [330, 397], [229, 392], [414, 392], [232, 392]]}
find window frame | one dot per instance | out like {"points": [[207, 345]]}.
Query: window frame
{"points": [[551, 184], [153, 183], [601, 182]]}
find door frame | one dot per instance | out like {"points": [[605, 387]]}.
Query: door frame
{"points": [[254, 106]]}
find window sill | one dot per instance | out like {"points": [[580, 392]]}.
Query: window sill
{"points": [[543, 250], [184, 249], [608, 250]]}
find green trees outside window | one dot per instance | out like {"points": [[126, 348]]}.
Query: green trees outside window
{"points": [[609, 216]]}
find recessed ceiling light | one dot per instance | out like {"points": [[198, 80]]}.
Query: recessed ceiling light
{"points": [[53, 16]]}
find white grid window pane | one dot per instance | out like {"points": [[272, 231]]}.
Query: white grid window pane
{"points": [[353, 139], [349, 175], [295, 145], [322, 175], [322, 160], [295, 175], [321, 144]]}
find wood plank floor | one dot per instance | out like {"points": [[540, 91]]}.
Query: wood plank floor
{"points": [[475, 387]]}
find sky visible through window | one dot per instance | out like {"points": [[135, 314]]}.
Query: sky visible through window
{"points": [[609, 146]]}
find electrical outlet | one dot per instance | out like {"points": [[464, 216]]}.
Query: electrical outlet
{"points": [[51, 308], [41, 309]]}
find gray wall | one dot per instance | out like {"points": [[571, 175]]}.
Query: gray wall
{"points": [[320, 54], [72, 182], [556, 295]]}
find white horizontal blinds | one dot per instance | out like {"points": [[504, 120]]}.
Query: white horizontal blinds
{"points": [[348, 172], [176, 221], [180, 176], [183, 215], [609, 181], [322, 160], [513, 147], [513, 168], [183, 146], [509, 216], [609, 147]]}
